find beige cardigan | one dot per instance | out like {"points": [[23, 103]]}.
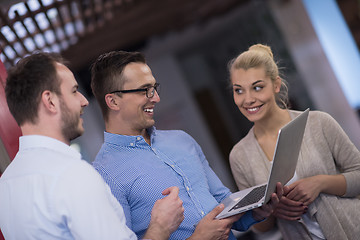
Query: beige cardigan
{"points": [[326, 149]]}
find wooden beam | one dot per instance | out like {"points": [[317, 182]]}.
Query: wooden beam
{"points": [[134, 25]]}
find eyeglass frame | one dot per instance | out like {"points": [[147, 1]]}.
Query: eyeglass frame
{"points": [[156, 87]]}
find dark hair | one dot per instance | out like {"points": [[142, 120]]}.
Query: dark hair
{"points": [[260, 55], [27, 80], [107, 74]]}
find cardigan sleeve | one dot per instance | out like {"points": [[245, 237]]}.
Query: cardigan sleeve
{"points": [[236, 159], [248, 163], [345, 153]]}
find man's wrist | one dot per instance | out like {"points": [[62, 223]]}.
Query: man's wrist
{"points": [[155, 231], [248, 220]]}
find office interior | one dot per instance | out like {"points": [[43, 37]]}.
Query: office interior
{"points": [[188, 45]]}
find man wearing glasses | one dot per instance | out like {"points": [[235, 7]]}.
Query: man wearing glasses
{"points": [[48, 191], [137, 160]]}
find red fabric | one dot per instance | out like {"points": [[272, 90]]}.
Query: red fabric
{"points": [[4, 118], [9, 130], [1, 236]]}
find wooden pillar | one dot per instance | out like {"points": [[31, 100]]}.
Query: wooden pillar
{"points": [[313, 64]]}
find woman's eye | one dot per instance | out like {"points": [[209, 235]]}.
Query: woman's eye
{"points": [[238, 91], [258, 88]]}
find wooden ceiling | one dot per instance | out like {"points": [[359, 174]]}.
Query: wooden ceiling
{"points": [[83, 29]]}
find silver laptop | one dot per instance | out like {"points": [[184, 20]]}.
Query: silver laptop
{"points": [[282, 170]]}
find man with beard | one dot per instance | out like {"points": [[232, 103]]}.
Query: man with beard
{"points": [[48, 191], [137, 160]]}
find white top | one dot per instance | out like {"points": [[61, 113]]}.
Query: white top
{"points": [[312, 225], [49, 192]]}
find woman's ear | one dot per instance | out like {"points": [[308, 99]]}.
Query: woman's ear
{"points": [[50, 101], [277, 84], [112, 101]]}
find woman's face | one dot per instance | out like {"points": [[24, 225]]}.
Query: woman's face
{"points": [[254, 92]]}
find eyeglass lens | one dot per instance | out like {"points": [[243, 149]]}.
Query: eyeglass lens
{"points": [[151, 90]]}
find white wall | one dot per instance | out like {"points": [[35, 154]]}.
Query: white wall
{"points": [[178, 110]]}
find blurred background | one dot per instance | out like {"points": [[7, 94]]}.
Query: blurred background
{"points": [[188, 45]]}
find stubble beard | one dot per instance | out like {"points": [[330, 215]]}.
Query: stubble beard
{"points": [[70, 123]]}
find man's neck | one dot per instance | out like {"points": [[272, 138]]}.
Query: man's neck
{"points": [[36, 129], [128, 132]]}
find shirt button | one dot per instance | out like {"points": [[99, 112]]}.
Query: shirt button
{"points": [[187, 188], [138, 138], [131, 144], [202, 213]]}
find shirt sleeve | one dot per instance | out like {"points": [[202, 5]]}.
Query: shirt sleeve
{"points": [[87, 207], [245, 222], [117, 193], [217, 188], [219, 191]]}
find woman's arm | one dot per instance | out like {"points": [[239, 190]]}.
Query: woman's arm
{"points": [[308, 189]]}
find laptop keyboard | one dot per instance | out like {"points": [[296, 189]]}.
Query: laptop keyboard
{"points": [[252, 197]]}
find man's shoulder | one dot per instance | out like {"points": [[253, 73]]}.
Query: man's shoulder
{"points": [[112, 160], [173, 133], [177, 137]]}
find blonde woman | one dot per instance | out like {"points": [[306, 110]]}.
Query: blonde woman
{"points": [[320, 201]]}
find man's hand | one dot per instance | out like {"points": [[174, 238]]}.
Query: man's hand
{"points": [[210, 228], [166, 215]]}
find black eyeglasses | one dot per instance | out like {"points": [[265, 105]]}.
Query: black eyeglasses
{"points": [[150, 91]]}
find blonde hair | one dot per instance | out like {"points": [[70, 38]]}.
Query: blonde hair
{"points": [[261, 56]]}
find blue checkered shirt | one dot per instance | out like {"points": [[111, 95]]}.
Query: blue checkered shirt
{"points": [[137, 174]]}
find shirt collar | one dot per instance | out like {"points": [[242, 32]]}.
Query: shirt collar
{"points": [[126, 140], [39, 141]]}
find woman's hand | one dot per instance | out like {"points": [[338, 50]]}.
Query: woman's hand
{"points": [[289, 209], [305, 190]]}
